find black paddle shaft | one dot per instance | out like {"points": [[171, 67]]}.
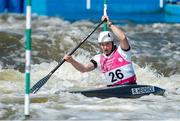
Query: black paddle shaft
{"points": [[41, 82], [76, 47]]}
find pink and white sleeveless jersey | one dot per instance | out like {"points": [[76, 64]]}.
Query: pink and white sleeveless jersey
{"points": [[117, 68]]}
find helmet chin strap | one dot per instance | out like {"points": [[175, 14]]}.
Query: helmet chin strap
{"points": [[113, 49]]}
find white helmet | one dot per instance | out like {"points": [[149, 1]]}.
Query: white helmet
{"points": [[105, 36]]}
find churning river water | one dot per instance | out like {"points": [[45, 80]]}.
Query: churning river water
{"points": [[156, 59]]}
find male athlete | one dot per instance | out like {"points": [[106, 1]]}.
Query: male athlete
{"points": [[115, 61]]}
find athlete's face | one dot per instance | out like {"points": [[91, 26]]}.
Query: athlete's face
{"points": [[106, 47]]}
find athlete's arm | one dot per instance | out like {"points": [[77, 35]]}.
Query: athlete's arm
{"points": [[119, 33], [79, 66], [121, 36]]}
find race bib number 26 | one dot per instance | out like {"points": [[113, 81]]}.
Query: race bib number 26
{"points": [[116, 75]]}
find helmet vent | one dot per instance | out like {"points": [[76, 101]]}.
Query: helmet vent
{"points": [[109, 35]]}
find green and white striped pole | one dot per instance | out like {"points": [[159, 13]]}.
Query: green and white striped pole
{"points": [[28, 58], [105, 14]]}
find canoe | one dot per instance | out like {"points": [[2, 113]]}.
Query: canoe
{"points": [[122, 91]]}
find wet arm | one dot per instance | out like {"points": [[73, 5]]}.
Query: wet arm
{"points": [[121, 36], [79, 66]]}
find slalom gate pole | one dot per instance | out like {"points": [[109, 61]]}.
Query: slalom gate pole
{"points": [[28, 58], [105, 14], [88, 4]]}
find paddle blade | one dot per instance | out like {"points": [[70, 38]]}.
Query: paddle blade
{"points": [[40, 83]]}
